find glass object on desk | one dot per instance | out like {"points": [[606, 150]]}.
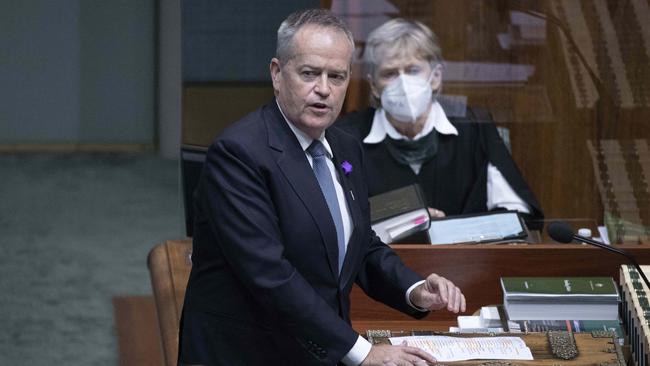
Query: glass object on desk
{"points": [[586, 232]]}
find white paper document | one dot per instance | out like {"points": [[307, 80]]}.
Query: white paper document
{"points": [[498, 226], [446, 349]]}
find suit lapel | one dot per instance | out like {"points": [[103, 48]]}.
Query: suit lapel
{"points": [[294, 166]]}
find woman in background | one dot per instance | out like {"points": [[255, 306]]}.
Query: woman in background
{"points": [[411, 136]]}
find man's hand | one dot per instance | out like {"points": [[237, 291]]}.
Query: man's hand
{"points": [[403, 355], [436, 293]]}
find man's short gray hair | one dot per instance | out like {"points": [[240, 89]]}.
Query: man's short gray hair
{"points": [[399, 38], [295, 21]]}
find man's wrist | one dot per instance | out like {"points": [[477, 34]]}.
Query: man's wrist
{"points": [[408, 297]]}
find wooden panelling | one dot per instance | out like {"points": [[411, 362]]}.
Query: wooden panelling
{"points": [[209, 108], [552, 114], [549, 124], [476, 270]]}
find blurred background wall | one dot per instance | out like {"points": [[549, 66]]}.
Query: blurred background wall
{"points": [[77, 72]]}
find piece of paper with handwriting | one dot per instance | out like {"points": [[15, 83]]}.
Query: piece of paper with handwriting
{"points": [[445, 348]]}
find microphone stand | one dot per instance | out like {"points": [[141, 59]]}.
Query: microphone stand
{"points": [[615, 250]]}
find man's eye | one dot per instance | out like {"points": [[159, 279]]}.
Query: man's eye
{"points": [[337, 77], [310, 74]]}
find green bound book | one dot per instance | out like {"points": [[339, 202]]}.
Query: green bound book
{"points": [[547, 298], [552, 289]]}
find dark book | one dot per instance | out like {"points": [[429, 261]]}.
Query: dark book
{"points": [[396, 202], [399, 214]]}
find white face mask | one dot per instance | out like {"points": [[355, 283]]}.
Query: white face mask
{"points": [[407, 97]]}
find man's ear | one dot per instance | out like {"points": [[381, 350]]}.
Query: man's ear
{"points": [[436, 77], [276, 74]]}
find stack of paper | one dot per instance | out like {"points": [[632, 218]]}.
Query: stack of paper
{"points": [[446, 349]]}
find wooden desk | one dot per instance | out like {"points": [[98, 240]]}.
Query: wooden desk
{"points": [[592, 349], [476, 269], [361, 326]]}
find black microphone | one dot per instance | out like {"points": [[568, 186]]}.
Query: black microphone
{"points": [[562, 232]]}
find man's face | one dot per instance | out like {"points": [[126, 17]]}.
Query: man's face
{"points": [[310, 87]]}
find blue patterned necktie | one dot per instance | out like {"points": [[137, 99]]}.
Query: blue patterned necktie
{"points": [[324, 177]]}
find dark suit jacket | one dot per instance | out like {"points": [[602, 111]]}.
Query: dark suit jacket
{"points": [[264, 286]]}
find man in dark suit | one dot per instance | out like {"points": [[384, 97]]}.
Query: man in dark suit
{"points": [[282, 226]]}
